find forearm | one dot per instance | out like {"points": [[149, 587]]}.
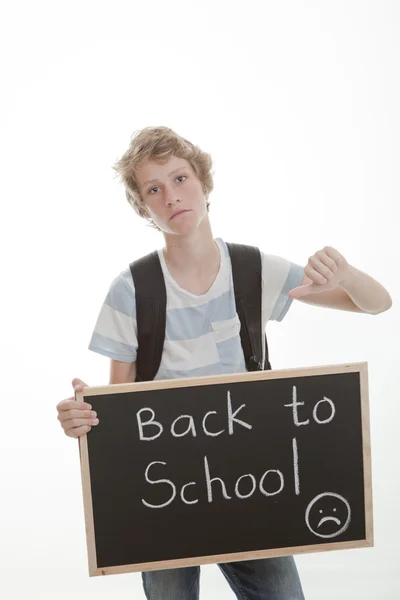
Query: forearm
{"points": [[369, 295]]}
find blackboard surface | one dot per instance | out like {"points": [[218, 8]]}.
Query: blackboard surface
{"points": [[264, 465]]}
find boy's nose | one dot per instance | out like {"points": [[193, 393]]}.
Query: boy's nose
{"points": [[171, 196]]}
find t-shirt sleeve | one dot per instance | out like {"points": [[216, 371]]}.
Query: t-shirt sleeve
{"points": [[115, 332], [279, 276]]}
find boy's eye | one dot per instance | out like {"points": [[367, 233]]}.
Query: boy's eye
{"points": [[181, 179]]}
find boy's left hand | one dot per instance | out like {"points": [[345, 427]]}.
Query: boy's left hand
{"points": [[325, 270]]}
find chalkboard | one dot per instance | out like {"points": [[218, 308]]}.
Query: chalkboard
{"points": [[225, 468]]}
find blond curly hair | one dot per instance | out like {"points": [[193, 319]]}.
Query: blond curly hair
{"points": [[160, 143]]}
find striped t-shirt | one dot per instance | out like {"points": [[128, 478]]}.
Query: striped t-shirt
{"points": [[202, 332]]}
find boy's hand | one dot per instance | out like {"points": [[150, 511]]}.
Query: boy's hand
{"points": [[325, 270], [76, 418]]}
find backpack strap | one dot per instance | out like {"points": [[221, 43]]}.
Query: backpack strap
{"points": [[247, 279], [151, 308]]}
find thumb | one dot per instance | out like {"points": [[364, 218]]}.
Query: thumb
{"points": [[78, 384], [303, 290]]}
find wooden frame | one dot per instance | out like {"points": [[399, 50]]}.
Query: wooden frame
{"points": [[361, 368]]}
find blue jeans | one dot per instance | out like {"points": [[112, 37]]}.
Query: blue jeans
{"points": [[262, 579]]}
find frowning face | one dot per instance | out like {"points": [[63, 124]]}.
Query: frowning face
{"points": [[328, 515], [172, 194]]}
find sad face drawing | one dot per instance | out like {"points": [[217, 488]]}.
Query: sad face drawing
{"points": [[328, 515]]}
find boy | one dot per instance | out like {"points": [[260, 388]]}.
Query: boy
{"points": [[168, 181]]}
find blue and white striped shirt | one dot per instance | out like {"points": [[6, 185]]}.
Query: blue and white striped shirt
{"points": [[202, 332]]}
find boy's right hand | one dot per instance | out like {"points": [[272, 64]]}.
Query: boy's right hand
{"points": [[76, 418]]}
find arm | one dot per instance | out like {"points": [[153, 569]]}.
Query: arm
{"points": [[122, 372], [114, 335], [329, 281]]}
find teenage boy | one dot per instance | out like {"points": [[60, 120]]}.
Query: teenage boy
{"points": [[168, 182]]}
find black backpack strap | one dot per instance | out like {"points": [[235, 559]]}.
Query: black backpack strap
{"points": [[151, 308], [247, 279]]}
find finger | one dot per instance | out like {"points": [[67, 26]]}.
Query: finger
{"points": [[327, 261], [300, 291], [71, 403], [66, 415], [314, 275], [333, 254], [76, 423], [306, 280], [78, 384], [321, 268], [304, 290], [77, 432]]}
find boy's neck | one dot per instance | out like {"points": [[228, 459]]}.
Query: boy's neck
{"points": [[193, 261], [195, 252]]}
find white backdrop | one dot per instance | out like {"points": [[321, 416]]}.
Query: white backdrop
{"points": [[298, 103]]}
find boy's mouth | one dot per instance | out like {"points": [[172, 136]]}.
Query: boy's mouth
{"points": [[178, 212]]}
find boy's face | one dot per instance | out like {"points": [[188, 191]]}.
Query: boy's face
{"points": [[172, 194]]}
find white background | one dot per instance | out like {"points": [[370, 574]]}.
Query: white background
{"points": [[298, 103]]}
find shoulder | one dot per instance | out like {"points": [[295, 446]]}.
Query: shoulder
{"points": [[272, 262], [123, 282], [272, 265], [121, 293], [280, 272]]}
